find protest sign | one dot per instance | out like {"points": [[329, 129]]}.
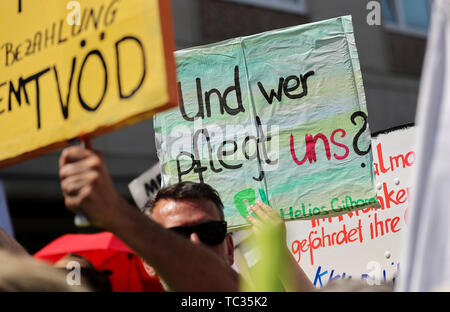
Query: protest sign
{"points": [[80, 68], [279, 117], [363, 244], [146, 185]]}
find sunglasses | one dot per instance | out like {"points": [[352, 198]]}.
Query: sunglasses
{"points": [[210, 233]]}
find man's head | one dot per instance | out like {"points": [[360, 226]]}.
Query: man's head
{"points": [[195, 211]]}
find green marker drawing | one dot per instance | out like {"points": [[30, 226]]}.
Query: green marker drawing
{"points": [[246, 198], [247, 195]]}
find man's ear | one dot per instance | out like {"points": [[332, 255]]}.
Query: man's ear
{"points": [[230, 248]]}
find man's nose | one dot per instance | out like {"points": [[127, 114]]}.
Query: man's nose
{"points": [[195, 239]]}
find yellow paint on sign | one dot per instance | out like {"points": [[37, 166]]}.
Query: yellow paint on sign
{"points": [[71, 69]]}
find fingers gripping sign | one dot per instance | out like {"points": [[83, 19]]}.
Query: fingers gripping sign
{"points": [[80, 219], [86, 185], [270, 232], [269, 239], [266, 217], [74, 182]]}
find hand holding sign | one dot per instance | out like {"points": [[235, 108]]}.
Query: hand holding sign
{"points": [[63, 80], [266, 217], [270, 229], [87, 186], [80, 219], [91, 74]]}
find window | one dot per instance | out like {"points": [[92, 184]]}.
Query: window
{"points": [[407, 16], [296, 6]]}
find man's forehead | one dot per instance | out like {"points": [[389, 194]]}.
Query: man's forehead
{"points": [[185, 210]]}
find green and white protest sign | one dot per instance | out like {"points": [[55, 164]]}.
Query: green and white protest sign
{"points": [[279, 117]]}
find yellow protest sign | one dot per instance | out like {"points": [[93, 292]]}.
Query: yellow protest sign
{"points": [[71, 69]]}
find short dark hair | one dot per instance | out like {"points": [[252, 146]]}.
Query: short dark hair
{"points": [[186, 190]]}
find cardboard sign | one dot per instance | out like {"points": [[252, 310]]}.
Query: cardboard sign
{"points": [[363, 244], [146, 185], [279, 117], [72, 69]]}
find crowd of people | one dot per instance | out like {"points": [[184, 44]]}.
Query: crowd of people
{"points": [[182, 236]]}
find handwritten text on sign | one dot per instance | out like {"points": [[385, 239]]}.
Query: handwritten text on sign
{"points": [[145, 186], [366, 243], [64, 80], [278, 117]]}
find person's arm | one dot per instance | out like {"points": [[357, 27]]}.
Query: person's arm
{"points": [[292, 276], [10, 244], [181, 264]]}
